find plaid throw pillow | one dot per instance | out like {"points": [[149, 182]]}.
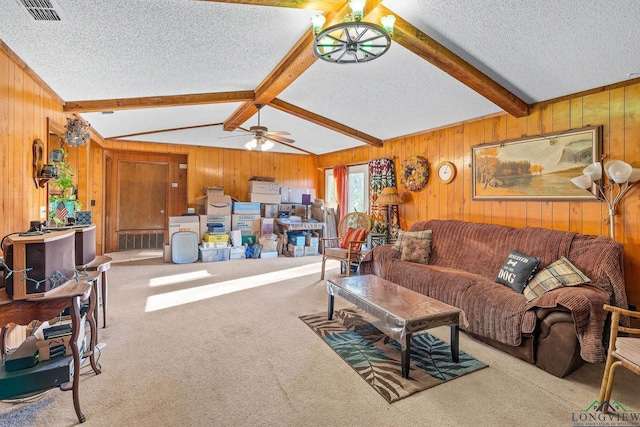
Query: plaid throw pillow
{"points": [[560, 273], [415, 249], [418, 234]]}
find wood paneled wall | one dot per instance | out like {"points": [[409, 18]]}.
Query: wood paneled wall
{"points": [[25, 105], [617, 109], [231, 169]]}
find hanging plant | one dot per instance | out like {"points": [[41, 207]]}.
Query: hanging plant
{"points": [[77, 132]]}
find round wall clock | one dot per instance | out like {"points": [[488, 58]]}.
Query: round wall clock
{"points": [[415, 173], [446, 172]]}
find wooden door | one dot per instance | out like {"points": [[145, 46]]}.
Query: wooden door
{"points": [[142, 196]]}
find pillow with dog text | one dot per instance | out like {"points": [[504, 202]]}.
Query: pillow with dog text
{"points": [[517, 270]]}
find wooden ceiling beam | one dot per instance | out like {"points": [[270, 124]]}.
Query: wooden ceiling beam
{"points": [[296, 62], [324, 122], [430, 50], [156, 101]]}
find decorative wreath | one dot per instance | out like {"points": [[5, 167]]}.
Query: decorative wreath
{"points": [[415, 173]]}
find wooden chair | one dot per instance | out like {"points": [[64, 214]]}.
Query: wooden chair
{"points": [[347, 247], [624, 350]]}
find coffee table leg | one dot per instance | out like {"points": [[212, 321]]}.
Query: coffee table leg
{"points": [[405, 356], [330, 314], [455, 347]]}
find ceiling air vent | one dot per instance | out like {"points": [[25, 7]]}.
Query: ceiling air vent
{"points": [[43, 10]]}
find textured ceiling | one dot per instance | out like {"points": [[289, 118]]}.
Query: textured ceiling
{"points": [[140, 48]]}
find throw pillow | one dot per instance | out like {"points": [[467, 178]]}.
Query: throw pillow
{"points": [[517, 270], [416, 249], [353, 235], [424, 234], [560, 273]]}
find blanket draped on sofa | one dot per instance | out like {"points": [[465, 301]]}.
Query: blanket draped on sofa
{"points": [[465, 258]]}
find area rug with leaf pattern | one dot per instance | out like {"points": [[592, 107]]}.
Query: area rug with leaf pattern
{"points": [[376, 357]]}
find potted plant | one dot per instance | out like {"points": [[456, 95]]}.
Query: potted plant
{"points": [[62, 189]]}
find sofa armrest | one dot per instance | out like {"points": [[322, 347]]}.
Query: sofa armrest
{"points": [[557, 347], [547, 317], [375, 259]]}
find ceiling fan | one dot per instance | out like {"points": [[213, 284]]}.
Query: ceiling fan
{"points": [[263, 139]]}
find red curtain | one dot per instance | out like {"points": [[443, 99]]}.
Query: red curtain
{"points": [[341, 177]]}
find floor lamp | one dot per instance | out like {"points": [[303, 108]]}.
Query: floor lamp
{"points": [[389, 196], [621, 177]]}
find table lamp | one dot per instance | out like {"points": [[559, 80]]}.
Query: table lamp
{"points": [[389, 196], [306, 202]]}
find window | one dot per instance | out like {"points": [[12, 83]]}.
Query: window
{"points": [[358, 197]]}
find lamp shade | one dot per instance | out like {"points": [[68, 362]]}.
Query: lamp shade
{"points": [[594, 170], [582, 181], [389, 196], [635, 175], [618, 171]]}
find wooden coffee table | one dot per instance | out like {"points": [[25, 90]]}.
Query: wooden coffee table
{"points": [[401, 311]]}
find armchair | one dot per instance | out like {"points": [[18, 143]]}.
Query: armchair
{"points": [[624, 350], [347, 247]]}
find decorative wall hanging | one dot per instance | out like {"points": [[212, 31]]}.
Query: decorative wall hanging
{"points": [[381, 175], [535, 168], [415, 173], [77, 132]]}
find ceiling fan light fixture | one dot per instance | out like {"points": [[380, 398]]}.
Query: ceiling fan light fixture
{"points": [[266, 145], [352, 41], [251, 144]]}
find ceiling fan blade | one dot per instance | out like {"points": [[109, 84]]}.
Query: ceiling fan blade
{"points": [[236, 136], [280, 139], [278, 132]]}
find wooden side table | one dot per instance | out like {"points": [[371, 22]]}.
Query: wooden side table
{"points": [[101, 264], [68, 295], [376, 239]]}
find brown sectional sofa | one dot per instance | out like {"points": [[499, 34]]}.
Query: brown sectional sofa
{"points": [[557, 331]]}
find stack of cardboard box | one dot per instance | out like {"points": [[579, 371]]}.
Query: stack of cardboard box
{"points": [[264, 190]]}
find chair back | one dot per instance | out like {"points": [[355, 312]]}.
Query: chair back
{"points": [[357, 220]]}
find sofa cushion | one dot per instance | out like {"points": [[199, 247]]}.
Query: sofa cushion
{"points": [[418, 234], [517, 270], [560, 273], [416, 249]]}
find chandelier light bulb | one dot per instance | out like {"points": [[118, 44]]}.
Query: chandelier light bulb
{"points": [[317, 21], [357, 8], [387, 23]]}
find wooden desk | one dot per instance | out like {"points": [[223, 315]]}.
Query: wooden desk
{"points": [[68, 295]]}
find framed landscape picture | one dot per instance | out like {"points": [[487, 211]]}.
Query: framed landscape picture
{"points": [[535, 168]]}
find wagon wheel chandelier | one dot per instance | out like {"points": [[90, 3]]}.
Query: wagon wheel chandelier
{"points": [[352, 41]]}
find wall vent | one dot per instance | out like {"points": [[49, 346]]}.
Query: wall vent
{"points": [[129, 241], [43, 10]]}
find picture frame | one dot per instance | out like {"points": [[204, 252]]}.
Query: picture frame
{"points": [[537, 167]]}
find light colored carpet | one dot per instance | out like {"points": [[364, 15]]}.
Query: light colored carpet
{"points": [[185, 347]]}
